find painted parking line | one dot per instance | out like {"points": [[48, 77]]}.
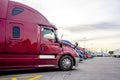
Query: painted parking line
{"points": [[23, 77], [35, 77], [14, 78]]}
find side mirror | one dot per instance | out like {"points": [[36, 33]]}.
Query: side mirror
{"points": [[56, 39], [76, 44]]}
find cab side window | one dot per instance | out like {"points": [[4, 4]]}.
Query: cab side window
{"points": [[48, 34], [16, 32]]}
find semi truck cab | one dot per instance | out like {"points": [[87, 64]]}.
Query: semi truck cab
{"points": [[29, 40]]}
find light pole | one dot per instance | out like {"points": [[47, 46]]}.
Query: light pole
{"points": [[84, 39]]}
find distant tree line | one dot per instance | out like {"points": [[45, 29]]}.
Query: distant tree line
{"points": [[110, 52]]}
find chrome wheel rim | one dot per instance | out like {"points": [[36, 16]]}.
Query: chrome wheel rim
{"points": [[66, 63]]}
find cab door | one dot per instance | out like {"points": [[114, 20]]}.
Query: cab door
{"points": [[49, 47], [48, 42]]}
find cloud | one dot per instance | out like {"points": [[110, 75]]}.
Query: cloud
{"points": [[102, 35], [107, 37], [79, 28], [106, 25], [93, 27]]}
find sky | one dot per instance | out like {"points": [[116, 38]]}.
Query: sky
{"points": [[94, 24]]}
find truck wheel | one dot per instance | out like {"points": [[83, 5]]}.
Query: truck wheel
{"points": [[66, 63]]}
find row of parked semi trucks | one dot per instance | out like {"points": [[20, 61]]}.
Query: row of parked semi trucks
{"points": [[83, 53], [29, 40]]}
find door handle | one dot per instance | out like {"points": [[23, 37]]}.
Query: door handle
{"points": [[42, 48]]}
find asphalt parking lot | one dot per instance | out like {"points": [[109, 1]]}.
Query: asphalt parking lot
{"points": [[97, 68]]}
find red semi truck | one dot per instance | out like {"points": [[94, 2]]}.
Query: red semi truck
{"points": [[28, 40]]}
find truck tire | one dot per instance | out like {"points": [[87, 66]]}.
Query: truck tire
{"points": [[66, 63]]}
